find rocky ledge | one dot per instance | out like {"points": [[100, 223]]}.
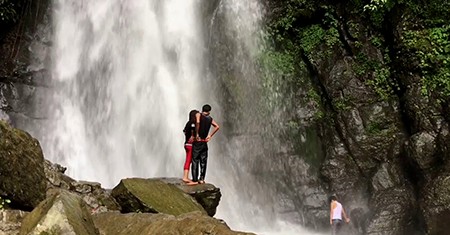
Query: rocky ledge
{"points": [[46, 201]]}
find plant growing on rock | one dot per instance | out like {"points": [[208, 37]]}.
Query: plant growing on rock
{"points": [[3, 202]]}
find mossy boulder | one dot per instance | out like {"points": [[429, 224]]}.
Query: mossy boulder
{"points": [[206, 195], [22, 177], [193, 223], [62, 212], [153, 196]]}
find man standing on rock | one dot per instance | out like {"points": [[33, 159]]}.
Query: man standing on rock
{"points": [[200, 147], [336, 213]]}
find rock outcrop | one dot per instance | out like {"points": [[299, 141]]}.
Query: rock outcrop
{"points": [[22, 178], [153, 196], [193, 223], [207, 195], [97, 198], [61, 213]]}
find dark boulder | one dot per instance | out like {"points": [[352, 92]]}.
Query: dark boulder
{"points": [[22, 177]]}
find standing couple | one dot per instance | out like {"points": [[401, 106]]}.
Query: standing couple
{"points": [[197, 137]]}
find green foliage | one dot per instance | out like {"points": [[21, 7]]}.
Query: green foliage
{"points": [[342, 104], [377, 73], [374, 128], [311, 37], [431, 46], [9, 11], [3, 202], [377, 10]]}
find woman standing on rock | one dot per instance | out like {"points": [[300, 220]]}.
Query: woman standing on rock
{"points": [[189, 133]]}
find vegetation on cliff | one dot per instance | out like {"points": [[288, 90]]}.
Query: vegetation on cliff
{"points": [[302, 32]]}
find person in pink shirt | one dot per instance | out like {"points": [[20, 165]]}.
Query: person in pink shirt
{"points": [[337, 211]]}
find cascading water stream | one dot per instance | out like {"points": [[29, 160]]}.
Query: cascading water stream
{"points": [[125, 75]]}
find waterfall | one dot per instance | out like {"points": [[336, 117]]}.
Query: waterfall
{"points": [[125, 75]]}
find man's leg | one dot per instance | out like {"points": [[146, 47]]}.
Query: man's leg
{"points": [[196, 150], [203, 161]]}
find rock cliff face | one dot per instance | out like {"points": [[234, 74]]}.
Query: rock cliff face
{"points": [[357, 94], [25, 63]]}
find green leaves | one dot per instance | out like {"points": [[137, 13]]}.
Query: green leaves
{"points": [[3, 202], [8, 11], [431, 46]]}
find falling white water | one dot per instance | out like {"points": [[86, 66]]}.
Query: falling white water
{"points": [[126, 73], [253, 212]]}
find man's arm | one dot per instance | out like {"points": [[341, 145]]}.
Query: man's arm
{"points": [[345, 215], [216, 128], [332, 206], [197, 126]]}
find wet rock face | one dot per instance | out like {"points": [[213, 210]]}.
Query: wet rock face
{"points": [[434, 204], [22, 178], [386, 159], [24, 63]]}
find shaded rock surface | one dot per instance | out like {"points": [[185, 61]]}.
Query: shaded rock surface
{"points": [[22, 178], [61, 213], [207, 195], [434, 204], [193, 223], [24, 65], [97, 198], [153, 196], [353, 116]]}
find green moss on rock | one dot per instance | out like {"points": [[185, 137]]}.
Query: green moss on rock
{"points": [[22, 177], [194, 223], [154, 196], [61, 213]]}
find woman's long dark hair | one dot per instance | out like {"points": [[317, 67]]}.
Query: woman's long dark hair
{"points": [[192, 115]]}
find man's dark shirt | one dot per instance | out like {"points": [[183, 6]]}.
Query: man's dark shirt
{"points": [[205, 125]]}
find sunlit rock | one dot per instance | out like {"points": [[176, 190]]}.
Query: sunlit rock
{"points": [[207, 195], [193, 223], [10, 221], [153, 196], [62, 212]]}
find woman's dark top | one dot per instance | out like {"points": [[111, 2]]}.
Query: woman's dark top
{"points": [[188, 130]]}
